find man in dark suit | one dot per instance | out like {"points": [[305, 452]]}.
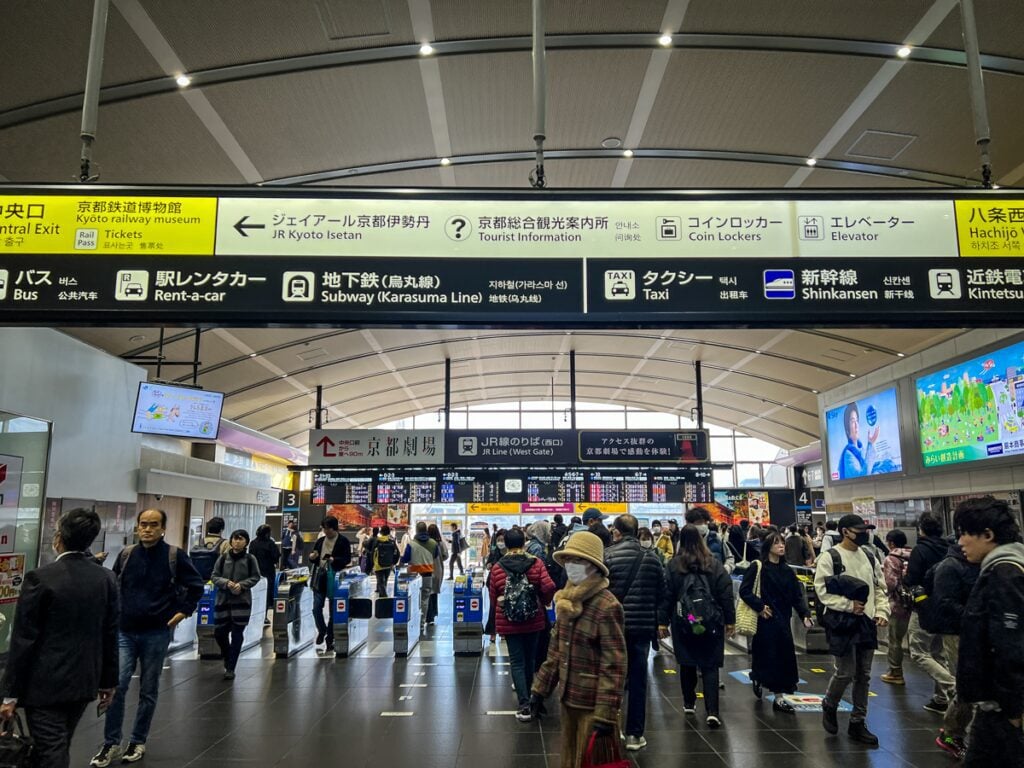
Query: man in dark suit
{"points": [[64, 642]]}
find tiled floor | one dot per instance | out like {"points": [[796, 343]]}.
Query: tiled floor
{"points": [[308, 711]]}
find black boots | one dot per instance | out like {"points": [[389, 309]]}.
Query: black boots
{"points": [[859, 732]]}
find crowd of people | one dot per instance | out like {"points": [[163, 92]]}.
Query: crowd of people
{"points": [[80, 630]]}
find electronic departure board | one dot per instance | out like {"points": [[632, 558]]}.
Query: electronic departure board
{"points": [[556, 487], [466, 486], [406, 487], [688, 486], [618, 486], [340, 488]]}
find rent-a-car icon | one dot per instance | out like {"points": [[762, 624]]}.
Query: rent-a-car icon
{"points": [[133, 289]]}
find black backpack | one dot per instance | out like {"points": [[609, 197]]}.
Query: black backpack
{"points": [[924, 603], [520, 598], [204, 557], [385, 554], [696, 606]]}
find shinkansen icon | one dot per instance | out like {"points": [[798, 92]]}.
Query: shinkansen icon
{"points": [[779, 284]]}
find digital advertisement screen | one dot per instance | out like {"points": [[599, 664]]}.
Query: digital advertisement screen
{"points": [[163, 409], [864, 437], [973, 410]]}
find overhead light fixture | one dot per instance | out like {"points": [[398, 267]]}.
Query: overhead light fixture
{"points": [[612, 142], [284, 375], [853, 375], [900, 354], [996, 186], [627, 153], [904, 52], [252, 354], [137, 338], [811, 161], [184, 81], [814, 391], [426, 49], [445, 161], [665, 40]]}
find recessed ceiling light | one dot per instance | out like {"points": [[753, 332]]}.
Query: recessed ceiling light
{"points": [[612, 142], [853, 375], [900, 354], [426, 49], [665, 40], [136, 338], [814, 391], [284, 375], [183, 81], [996, 186], [627, 153], [811, 161], [904, 51], [252, 354], [445, 161]]}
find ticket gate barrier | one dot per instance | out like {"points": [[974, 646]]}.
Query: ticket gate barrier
{"points": [[351, 606], [470, 607], [407, 613], [207, 643], [292, 627]]}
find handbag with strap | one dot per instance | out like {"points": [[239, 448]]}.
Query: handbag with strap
{"points": [[617, 761], [746, 617], [15, 745]]}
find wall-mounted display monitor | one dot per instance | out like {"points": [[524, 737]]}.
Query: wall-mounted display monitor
{"points": [[339, 488], [556, 486], [164, 409], [864, 437], [973, 410]]}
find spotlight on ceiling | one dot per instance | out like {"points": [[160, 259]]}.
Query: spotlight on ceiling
{"points": [[811, 161], [904, 52], [445, 161], [627, 153], [665, 40], [183, 81], [426, 49]]}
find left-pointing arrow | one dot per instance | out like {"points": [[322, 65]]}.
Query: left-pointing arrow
{"points": [[241, 226]]}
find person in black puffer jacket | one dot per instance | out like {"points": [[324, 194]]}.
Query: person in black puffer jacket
{"points": [[925, 646], [954, 579], [636, 577]]}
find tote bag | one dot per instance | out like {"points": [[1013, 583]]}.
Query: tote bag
{"points": [[746, 617]]}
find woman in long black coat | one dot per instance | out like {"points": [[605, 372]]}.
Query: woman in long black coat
{"points": [[773, 654]]}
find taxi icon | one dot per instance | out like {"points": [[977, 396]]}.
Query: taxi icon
{"points": [[619, 288]]}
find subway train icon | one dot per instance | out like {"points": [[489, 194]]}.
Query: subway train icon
{"points": [[779, 284]]}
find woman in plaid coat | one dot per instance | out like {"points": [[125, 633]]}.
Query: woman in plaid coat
{"points": [[587, 655]]}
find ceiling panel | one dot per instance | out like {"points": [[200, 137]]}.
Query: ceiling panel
{"points": [[825, 178], [932, 103], [999, 24], [156, 140], [868, 19], [489, 102], [326, 119], [662, 173], [41, 33], [464, 19], [418, 177], [710, 100], [219, 34]]}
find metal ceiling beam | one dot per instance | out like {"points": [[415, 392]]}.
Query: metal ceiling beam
{"points": [[523, 43]]}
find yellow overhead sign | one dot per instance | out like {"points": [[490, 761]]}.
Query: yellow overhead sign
{"points": [[605, 508], [990, 227], [478, 508], [88, 224]]}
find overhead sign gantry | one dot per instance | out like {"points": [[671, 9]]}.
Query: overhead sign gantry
{"points": [[244, 256]]}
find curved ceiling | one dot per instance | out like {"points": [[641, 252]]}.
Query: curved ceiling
{"points": [[338, 93]]}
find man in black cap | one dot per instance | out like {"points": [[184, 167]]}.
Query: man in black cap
{"points": [[852, 635], [594, 520]]}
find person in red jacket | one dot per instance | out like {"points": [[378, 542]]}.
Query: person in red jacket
{"points": [[520, 589]]}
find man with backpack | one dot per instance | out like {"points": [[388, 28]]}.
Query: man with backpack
{"points": [[458, 547], [954, 579], [925, 645], [383, 555], [701, 519], [520, 588], [159, 588], [798, 551], [636, 577], [419, 555], [205, 554], [901, 602], [848, 583]]}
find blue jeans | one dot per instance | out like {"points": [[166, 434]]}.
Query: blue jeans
{"points": [[522, 654], [148, 649], [637, 650]]}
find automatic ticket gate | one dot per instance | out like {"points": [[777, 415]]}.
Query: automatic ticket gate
{"points": [[351, 606], [292, 626], [469, 612], [405, 611], [207, 643]]}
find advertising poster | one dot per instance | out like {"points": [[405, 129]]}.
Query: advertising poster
{"points": [[864, 437], [161, 409], [735, 505], [973, 410], [353, 517], [10, 480], [12, 573]]}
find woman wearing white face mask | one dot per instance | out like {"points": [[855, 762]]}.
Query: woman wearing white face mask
{"points": [[587, 656]]}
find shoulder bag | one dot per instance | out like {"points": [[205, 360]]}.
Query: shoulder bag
{"points": [[15, 746], [746, 617]]}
